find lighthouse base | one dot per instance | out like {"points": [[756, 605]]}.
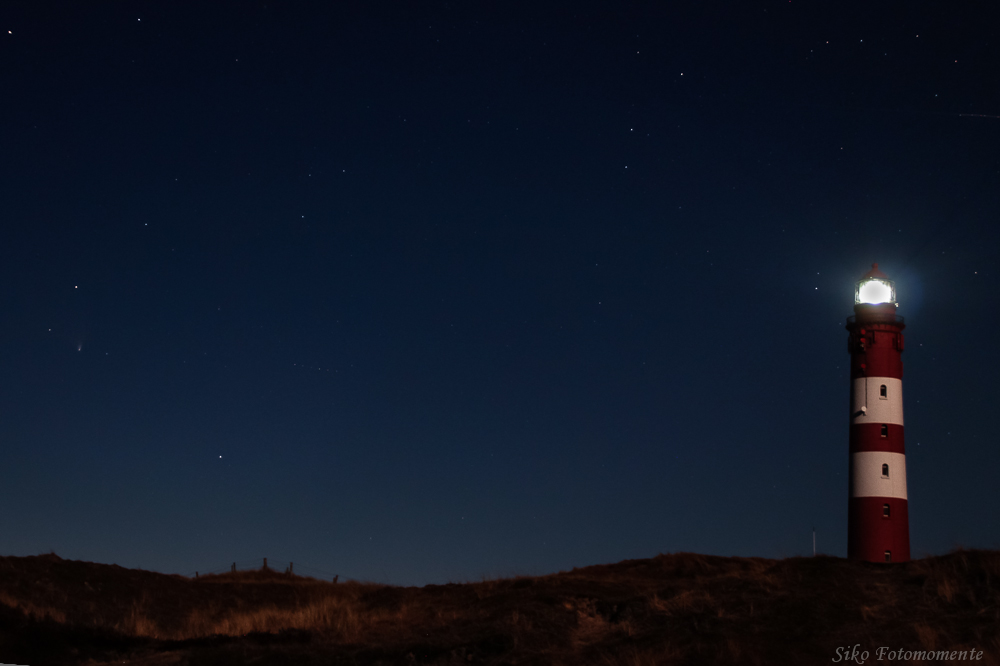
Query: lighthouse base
{"points": [[873, 537]]}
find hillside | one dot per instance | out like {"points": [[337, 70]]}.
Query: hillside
{"points": [[670, 609]]}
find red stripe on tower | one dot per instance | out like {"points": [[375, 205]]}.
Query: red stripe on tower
{"points": [[878, 525]]}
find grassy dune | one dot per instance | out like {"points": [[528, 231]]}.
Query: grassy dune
{"points": [[671, 609]]}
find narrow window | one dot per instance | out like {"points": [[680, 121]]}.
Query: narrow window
{"points": [[885, 430], [885, 510], [888, 556], [883, 393], [885, 471]]}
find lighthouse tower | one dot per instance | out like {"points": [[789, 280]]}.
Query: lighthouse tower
{"points": [[878, 526]]}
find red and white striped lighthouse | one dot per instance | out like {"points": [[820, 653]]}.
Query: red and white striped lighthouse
{"points": [[878, 526]]}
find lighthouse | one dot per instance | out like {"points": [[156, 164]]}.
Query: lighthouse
{"points": [[878, 527]]}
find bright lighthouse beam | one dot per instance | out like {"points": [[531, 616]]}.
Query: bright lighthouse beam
{"points": [[875, 291]]}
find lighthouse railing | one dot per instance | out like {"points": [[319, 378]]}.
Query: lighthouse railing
{"points": [[878, 318]]}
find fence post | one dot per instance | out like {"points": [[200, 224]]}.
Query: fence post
{"points": [[336, 577], [290, 568], [195, 574], [234, 567], [265, 564]]}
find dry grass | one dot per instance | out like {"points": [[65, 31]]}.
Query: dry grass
{"points": [[926, 635], [30, 609], [671, 609], [338, 617], [686, 601], [329, 615]]}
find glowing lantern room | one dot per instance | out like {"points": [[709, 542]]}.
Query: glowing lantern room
{"points": [[875, 288]]}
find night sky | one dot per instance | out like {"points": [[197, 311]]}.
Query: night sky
{"points": [[423, 292]]}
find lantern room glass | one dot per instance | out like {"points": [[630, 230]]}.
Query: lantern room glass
{"points": [[874, 291]]}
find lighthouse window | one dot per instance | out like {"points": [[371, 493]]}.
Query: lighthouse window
{"points": [[885, 471], [885, 510], [883, 394], [888, 556], [885, 430]]}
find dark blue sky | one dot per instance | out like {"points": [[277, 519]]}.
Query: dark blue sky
{"points": [[418, 294]]}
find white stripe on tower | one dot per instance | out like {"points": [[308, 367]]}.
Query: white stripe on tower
{"points": [[868, 405], [878, 474]]}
